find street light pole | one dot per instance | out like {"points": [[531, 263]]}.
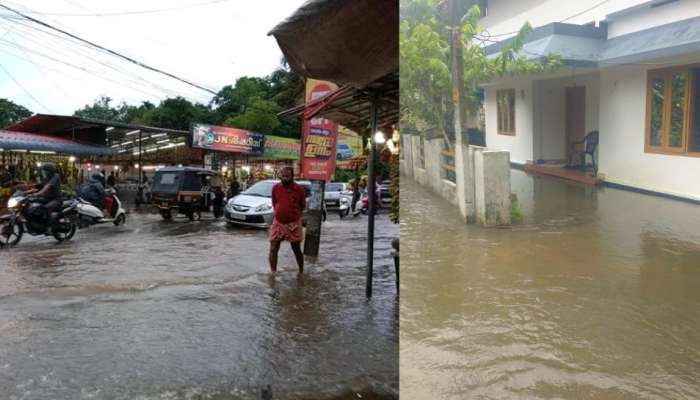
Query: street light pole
{"points": [[371, 194], [140, 163]]}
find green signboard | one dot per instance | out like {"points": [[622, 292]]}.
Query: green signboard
{"points": [[281, 148]]}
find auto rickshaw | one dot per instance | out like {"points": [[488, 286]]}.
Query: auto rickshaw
{"points": [[184, 190]]}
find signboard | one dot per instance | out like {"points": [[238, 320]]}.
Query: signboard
{"points": [[232, 140], [318, 138], [349, 146], [281, 148]]}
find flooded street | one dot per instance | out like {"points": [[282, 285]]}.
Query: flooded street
{"points": [[596, 295], [180, 310]]}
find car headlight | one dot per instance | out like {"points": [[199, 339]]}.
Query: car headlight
{"points": [[263, 207], [12, 203]]}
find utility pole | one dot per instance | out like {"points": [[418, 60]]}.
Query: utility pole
{"points": [[371, 194], [312, 239], [456, 11]]}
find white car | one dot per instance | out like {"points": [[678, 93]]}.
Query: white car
{"points": [[253, 207]]}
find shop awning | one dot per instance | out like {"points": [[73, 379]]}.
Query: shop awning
{"points": [[350, 106], [347, 42], [47, 143], [122, 137]]}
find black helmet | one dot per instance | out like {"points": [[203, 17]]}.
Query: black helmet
{"points": [[48, 170], [48, 167], [97, 176]]}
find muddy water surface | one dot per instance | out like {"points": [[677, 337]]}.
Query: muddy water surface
{"points": [[596, 295], [180, 310]]}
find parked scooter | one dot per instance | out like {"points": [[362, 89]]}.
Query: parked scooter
{"points": [[362, 205], [89, 214], [344, 205], [24, 216]]}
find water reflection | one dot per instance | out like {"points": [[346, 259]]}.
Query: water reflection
{"points": [[592, 296], [179, 310]]}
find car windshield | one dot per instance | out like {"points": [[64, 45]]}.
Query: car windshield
{"points": [[167, 182], [334, 187], [261, 189]]}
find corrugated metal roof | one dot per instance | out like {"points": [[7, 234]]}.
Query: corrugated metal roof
{"points": [[10, 140]]}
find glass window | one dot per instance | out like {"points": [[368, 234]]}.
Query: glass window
{"points": [[262, 189], [505, 108], [334, 187], [678, 98], [658, 87], [166, 182], [694, 129]]}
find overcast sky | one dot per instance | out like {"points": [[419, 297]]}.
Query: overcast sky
{"points": [[209, 42]]}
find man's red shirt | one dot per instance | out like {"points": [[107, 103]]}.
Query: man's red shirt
{"points": [[288, 202]]}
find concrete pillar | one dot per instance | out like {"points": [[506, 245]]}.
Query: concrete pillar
{"points": [[492, 184], [406, 164], [461, 173], [469, 185]]}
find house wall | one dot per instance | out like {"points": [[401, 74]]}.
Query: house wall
{"points": [[507, 16], [510, 15], [520, 145], [621, 150], [645, 17], [550, 113]]}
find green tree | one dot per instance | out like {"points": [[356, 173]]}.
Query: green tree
{"points": [[100, 109], [11, 113], [425, 95], [260, 116], [234, 100], [177, 113]]}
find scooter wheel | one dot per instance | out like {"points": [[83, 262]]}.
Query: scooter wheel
{"points": [[121, 219], [167, 215]]}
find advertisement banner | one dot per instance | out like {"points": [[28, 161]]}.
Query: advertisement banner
{"points": [[318, 138], [281, 148], [349, 146], [223, 138]]}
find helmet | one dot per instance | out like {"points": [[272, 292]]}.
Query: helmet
{"points": [[48, 170], [49, 167], [97, 175]]}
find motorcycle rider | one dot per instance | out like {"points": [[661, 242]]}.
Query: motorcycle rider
{"points": [[94, 191], [49, 196]]}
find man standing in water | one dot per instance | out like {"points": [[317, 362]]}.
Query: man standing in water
{"points": [[288, 203]]}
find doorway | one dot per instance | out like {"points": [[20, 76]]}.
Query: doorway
{"points": [[575, 118]]}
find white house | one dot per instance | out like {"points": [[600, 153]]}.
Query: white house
{"points": [[631, 71]]}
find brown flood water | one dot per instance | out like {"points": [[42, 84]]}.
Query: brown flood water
{"points": [[596, 295]]}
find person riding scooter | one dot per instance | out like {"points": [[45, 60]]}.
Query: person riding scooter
{"points": [[49, 196], [94, 191]]}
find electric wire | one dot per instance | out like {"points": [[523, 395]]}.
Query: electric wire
{"points": [[109, 51], [24, 89]]}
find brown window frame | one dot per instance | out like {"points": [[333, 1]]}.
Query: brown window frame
{"points": [[688, 112], [500, 121]]}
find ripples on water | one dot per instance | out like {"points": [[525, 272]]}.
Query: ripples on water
{"points": [[595, 295], [181, 310]]}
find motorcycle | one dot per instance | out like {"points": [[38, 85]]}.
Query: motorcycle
{"points": [[362, 205], [89, 214], [24, 217]]}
